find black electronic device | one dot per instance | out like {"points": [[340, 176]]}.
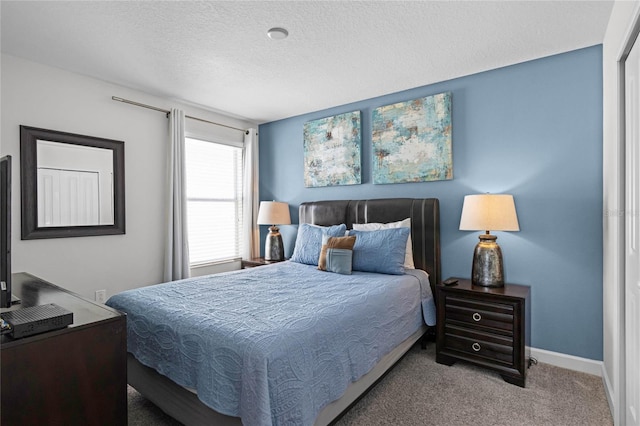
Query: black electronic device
{"points": [[5, 231], [35, 320], [450, 281]]}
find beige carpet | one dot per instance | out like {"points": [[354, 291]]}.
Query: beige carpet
{"points": [[420, 392]]}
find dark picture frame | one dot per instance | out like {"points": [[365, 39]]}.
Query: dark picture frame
{"points": [[29, 137]]}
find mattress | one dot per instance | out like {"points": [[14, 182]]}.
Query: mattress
{"points": [[275, 344]]}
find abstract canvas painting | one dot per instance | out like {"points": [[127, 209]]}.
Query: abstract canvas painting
{"points": [[332, 151], [412, 141]]}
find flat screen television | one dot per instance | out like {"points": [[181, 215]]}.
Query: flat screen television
{"points": [[5, 231]]}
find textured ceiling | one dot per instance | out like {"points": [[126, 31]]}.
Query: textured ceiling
{"points": [[216, 53]]}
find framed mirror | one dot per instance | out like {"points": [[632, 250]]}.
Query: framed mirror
{"points": [[72, 185]]}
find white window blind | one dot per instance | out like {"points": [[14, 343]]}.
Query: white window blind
{"points": [[214, 200]]}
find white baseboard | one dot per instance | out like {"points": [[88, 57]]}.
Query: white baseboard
{"points": [[576, 363], [609, 392]]}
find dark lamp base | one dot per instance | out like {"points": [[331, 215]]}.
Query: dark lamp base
{"points": [[487, 270], [273, 247]]}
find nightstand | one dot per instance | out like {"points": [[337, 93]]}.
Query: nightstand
{"points": [[486, 326], [256, 261]]}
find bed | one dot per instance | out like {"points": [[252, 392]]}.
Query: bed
{"points": [[284, 343]]}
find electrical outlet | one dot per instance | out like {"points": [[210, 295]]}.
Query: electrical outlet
{"points": [[101, 296]]}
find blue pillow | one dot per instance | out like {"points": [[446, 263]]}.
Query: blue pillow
{"points": [[339, 260], [380, 251], [309, 241]]}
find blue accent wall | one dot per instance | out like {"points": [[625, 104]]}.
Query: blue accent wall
{"points": [[533, 130]]}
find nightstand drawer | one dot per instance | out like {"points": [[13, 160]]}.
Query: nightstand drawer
{"points": [[483, 345], [481, 313]]}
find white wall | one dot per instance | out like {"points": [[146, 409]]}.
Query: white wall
{"points": [[622, 18], [41, 96]]}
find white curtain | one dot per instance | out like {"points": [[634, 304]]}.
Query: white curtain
{"points": [[251, 232], [177, 249]]}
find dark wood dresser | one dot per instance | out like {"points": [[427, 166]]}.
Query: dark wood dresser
{"points": [[73, 376], [487, 326]]}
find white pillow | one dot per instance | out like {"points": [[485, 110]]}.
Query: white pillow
{"points": [[408, 254]]}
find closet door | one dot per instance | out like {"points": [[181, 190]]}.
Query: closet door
{"points": [[68, 198], [632, 236]]}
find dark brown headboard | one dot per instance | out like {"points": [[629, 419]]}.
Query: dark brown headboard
{"points": [[425, 223]]}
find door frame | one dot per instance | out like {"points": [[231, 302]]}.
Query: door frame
{"points": [[631, 37]]}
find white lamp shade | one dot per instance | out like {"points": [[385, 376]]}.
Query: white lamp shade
{"points": [[489, 212], [273, 213]]}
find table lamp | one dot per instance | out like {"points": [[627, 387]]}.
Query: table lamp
{"points": [[273, 213], [495, 212]]}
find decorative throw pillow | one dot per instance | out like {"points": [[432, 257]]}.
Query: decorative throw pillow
{"points": [[336, 254], [339, 261], [406, 223], [309, 241], [380, 251]]}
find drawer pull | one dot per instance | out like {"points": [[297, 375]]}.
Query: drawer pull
{"points": [[476, 316], [476, 346]]}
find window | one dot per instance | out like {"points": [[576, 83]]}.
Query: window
{"points": [[214, 200]]}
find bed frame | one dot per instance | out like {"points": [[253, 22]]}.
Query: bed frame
{"points": [[425, 223], [184, 405]]}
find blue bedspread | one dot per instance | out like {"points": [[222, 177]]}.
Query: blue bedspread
{"points": [[274, 344]]}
